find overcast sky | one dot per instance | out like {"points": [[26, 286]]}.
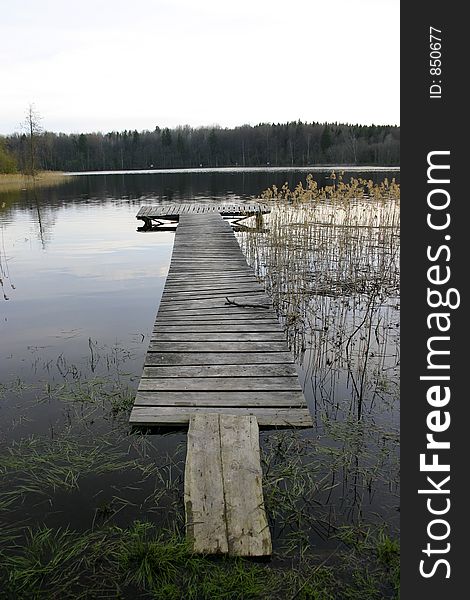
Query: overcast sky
{"points": [[99, 65]]}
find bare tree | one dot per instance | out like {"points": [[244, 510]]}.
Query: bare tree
{"points": [[32, 128], [352, 144]]}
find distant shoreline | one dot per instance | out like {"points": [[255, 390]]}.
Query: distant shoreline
{"points": [[313, 169], [11, 182]]}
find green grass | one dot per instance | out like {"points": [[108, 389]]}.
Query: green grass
{"points": [[37, 465], [142, 562], [137, 560]]}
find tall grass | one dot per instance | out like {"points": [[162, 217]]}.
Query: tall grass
{"points": [[141, 561], [18, 181], [329, 258]]}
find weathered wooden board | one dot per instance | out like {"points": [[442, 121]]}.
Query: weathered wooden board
{"points": [[175, 298], [180, 415], [204, 498], [172, 294], [221, 371], [229, 385], [216, 358], [219, 321], [225, 336], [215, 327], [241, 399], [211, 291], [258, 303], [247, 526], [217, 346], [223, 494], [210, 314], [216, 276]]}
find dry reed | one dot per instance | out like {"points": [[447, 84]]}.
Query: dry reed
{"points": [[329, 258]]}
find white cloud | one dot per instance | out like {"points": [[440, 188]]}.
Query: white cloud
{"points": [[112, 65]]}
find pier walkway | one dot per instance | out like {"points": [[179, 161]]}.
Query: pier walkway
{"points": [[218, 361]]}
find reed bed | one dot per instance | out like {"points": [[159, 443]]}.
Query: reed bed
{"points": [[17, 181], [329, 258]]}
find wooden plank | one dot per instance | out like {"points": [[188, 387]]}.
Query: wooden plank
{"points": [[172, 296], [206, 264], [229, 313], [221, 286], [225, 336], [254, 302], [196, 235], [257, 299], [177, 415], [212, 283], [203, 280], [209, 327], [226, 289], [203, 277], [221, 399], [216, 358], [268, 347], [205, 268], [263, 370], [247, 526], [244, 320], [216, 295], [187, 238], [204, 499], [226, 384]]}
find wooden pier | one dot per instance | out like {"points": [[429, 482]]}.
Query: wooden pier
{"points": [[218, 361], [156, 216]]}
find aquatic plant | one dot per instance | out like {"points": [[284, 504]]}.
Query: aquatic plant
{"points": [[329, 258]]}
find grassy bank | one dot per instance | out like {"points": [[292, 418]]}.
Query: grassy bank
{"points": [[142, 562], [17, 181]]}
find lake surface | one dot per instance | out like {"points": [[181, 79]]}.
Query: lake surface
{"points": [[81, 288], [75, 268]]}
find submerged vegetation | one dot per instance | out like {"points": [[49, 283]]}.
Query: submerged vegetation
{"points": [[128, 540], [90, 509]]}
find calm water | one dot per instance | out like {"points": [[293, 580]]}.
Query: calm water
{"points": [[81, 289], [75, 268]]}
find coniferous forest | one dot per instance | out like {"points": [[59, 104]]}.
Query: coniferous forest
{"points": [[285, 144]]}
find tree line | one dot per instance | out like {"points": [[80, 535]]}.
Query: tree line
{"points": [[281, 144]]}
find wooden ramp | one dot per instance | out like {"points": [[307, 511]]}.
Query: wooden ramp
{"points": [[218, 361]]}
